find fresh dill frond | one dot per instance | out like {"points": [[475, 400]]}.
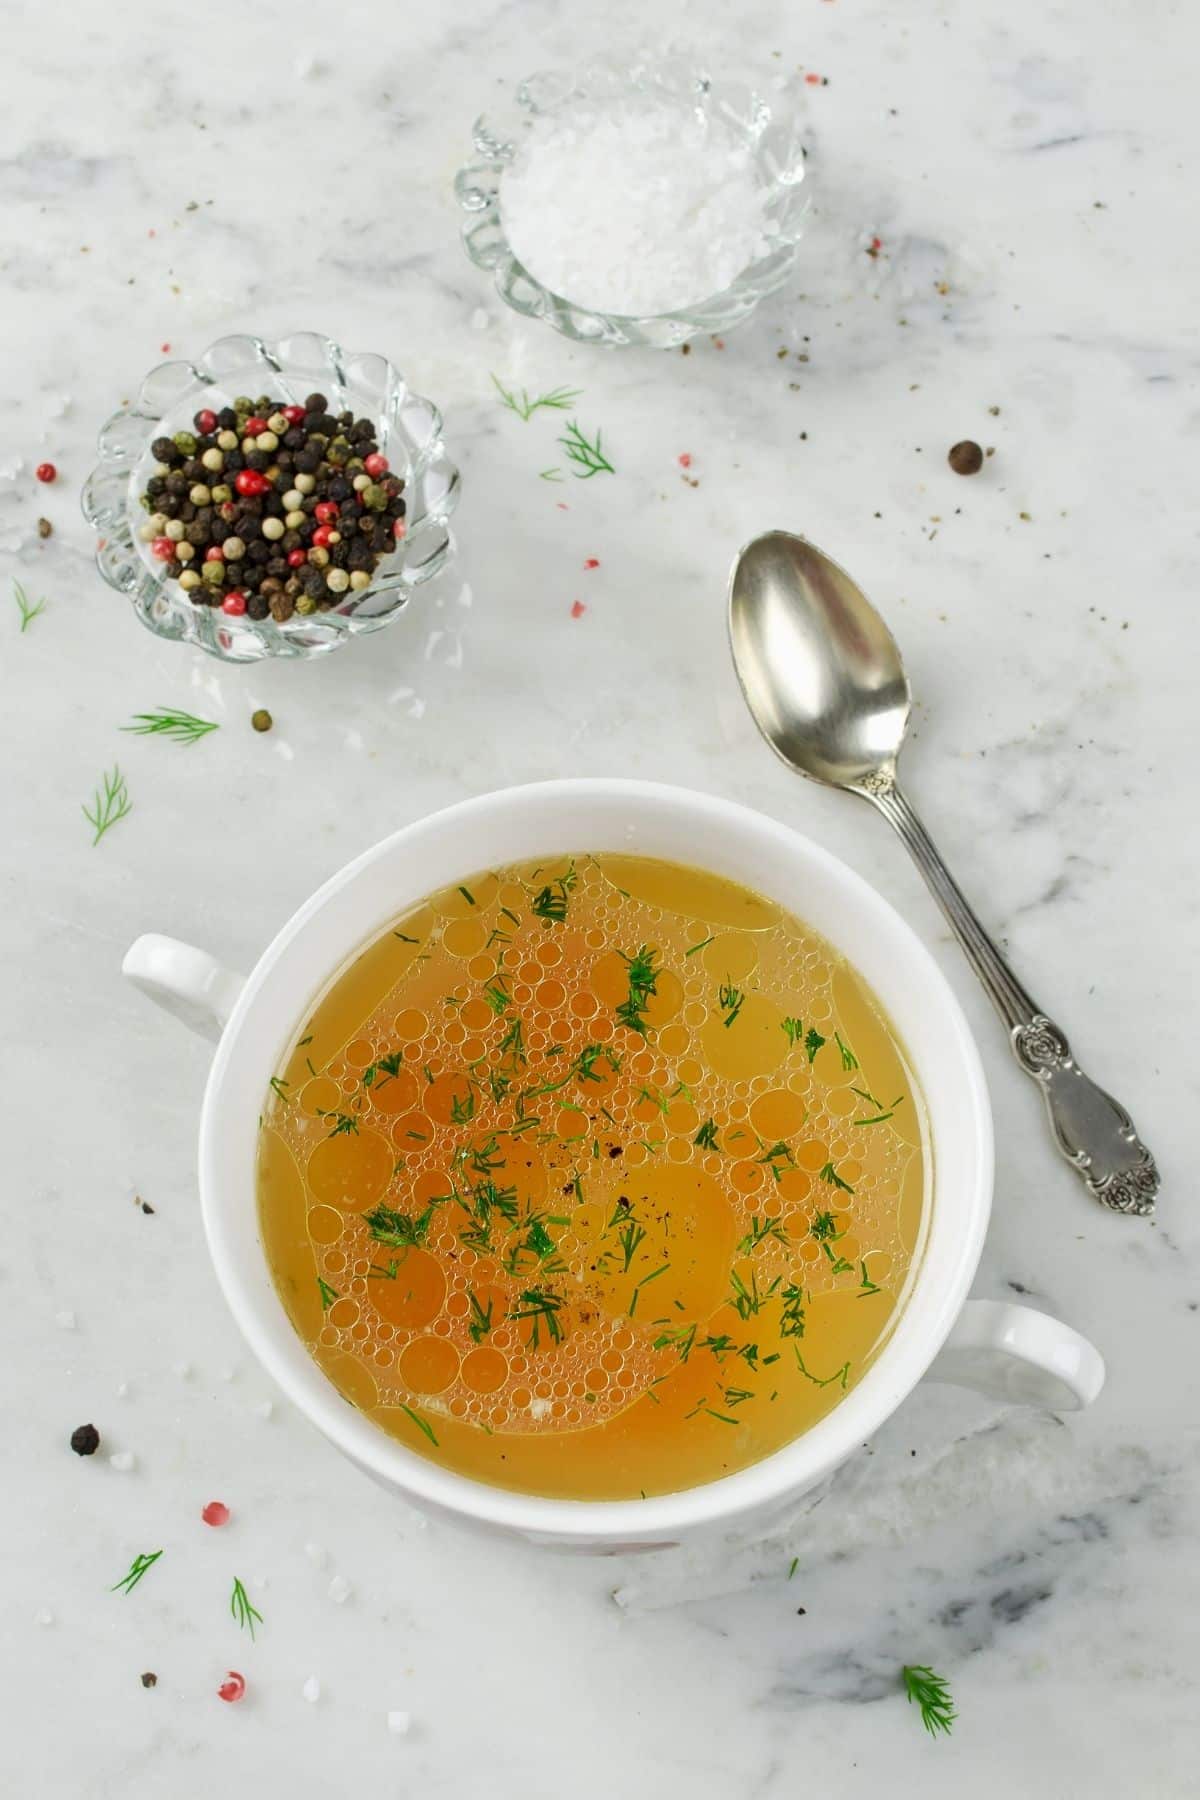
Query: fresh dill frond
{"points": [[27, 609], [328, 1294], [643, 984], [540, 1307], [559, 399], [110, 803], [849, 1060], [731, 1000], [932, 1694], [706, 1137], [793, 1029], [137, 1568], [242, 1609], [588, 457], [813, 1042], [182, 727]]}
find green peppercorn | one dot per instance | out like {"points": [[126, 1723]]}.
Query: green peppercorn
{"points": [[261, 720], [185, 442], [306, 604]]}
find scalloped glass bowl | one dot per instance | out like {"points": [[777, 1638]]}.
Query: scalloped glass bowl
{"points": [[774, 136], [408, 431]]}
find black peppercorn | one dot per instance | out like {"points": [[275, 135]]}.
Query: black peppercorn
{"points": [[316, 403], [156, 485], [307, 461], [149, 1679], [257, 607], [177, 482], [85, 1440], [259, 552], [965, 458], [227, 418], [164, 451], [234, 460], [294, 439], [257, 459]]}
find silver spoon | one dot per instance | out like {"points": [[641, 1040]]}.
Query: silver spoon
{"points": [[823, 678]]}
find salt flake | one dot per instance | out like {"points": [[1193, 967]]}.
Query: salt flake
{"points": [[311, 1690], [122, 1461], [339, 1590], [399, 1723], [65, 1321]]}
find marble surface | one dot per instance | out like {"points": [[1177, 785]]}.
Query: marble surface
{"points": [[169, 176]]}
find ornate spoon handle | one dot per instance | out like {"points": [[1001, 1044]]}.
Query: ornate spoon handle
{"points": [[1093, 1132]]}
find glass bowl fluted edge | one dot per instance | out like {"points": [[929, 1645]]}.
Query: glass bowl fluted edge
{"points": [[776, 137], [409, 433]]}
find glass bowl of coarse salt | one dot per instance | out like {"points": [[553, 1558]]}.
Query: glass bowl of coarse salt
{"points": [[636, 203]]}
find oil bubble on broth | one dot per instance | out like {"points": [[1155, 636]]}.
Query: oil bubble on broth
{"points": [[596, 1178]]}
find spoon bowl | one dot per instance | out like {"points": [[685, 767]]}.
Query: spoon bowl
{"points": [[819, 668]]}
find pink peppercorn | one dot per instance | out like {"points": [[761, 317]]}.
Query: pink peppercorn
{"points": [[215, 1513], [376, 464], [46, 472], [163, 548], [233, 1686], [234, 603]]}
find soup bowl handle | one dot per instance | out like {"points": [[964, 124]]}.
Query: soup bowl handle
{"points": [[1016, 1353], [185, 981]]}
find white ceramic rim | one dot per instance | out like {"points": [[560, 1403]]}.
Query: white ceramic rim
{"points": [[630, 816]]}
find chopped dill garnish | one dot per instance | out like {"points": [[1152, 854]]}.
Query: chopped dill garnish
{"points": [[549, 904], [462, 1106], [327, 1293], [400, 1231], [643, 984], [821, 1380], [793, 1029], [747, 1301], [879, 1119], [849, 1060], [645, 1282], [735, 1396], [344, 1123], [681, 1338], [932, 1694], [731, 1000], [481, 1318], [388, 1066], [279, 1088], [420, 1423], [824, 1227], [795, 1564], [866, 1286], [137, 1568], [706, 1137], [584, 1066], [467, 895], [497, 998], [704, 942], [629, 1237], [404, 937], [792, 1319], [774, 1156], [512, 1044], [813, 1042], [658, 1100], [830, 1175], [541, 1308], [761, 1229], [242, 1609]]}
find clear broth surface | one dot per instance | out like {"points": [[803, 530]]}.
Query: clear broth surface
{"points": [[595, 1178]]}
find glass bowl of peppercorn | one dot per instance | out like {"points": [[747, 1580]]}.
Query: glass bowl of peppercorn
{"points": [[271, 499]]}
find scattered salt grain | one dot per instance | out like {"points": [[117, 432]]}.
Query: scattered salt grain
{"points": [[44, 1616], [311, 1690], [122, 1390], [228, 1374], [65, 1321], [183, 1370], [480, 319], [265, 1409], [643, 208], [399, 1723], [122, 1461], [339, 1590], [317, 1555]]}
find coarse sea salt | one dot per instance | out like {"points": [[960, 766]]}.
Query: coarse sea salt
{"points": [[642, 208]]}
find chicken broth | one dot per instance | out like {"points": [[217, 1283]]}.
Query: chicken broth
{"points": [[597, 1178]]}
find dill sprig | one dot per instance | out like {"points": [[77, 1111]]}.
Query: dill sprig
{"points": [[343, 1124], [813, 1042], [706, 1137], [584, 1066], [137, 1568], [243, 1609], [589, 457], [27, 610], [328, 1294], [183, 727], [549, 904], [481, 1318], [793, 1029], [849, 1060], [110, 803], [421, 1424], [643, 984], [397, 1230], [559, 399], [730, 999], [541, 1308], [932, 1694], [629, 1237], [760, 1230]]}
